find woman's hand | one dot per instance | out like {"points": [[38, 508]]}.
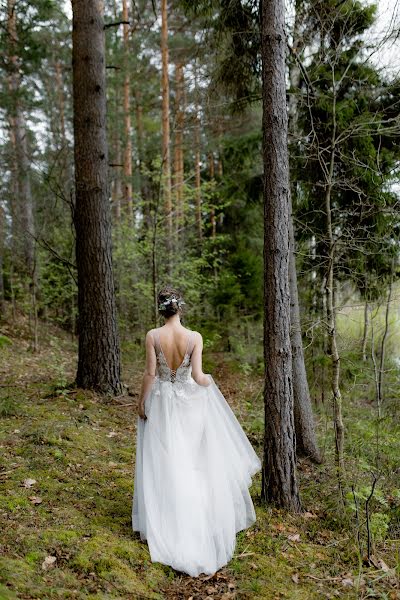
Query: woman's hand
{"points": [[141, 412]]}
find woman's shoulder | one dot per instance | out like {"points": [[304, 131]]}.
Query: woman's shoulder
{"points": [[151, 333], [196, 335]]}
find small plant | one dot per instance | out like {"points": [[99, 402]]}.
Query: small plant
{"points": [[8, 407]]}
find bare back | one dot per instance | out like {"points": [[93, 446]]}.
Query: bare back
{"points": [[174, 344]]}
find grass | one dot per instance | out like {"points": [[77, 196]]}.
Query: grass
{"points": [[79, 450]]}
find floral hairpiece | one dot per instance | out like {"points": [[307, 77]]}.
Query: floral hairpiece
{"points": [[172, 300]]}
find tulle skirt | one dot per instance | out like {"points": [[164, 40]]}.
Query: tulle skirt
{"points": [[193, 470]]}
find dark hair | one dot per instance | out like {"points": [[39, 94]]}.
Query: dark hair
{"points": [[170, 301]]}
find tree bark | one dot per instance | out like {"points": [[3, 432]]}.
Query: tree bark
{"points": [[127, 197], [144, 184], [197, 178], [383, 342], [23, 213], [2, 246], [279, 482], [166, 158], [333, 350], [212, 211], [178, 154], [306, 442], [99, 354]]}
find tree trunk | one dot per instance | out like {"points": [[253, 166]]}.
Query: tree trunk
{"points": [[23, 213], [178, 155], [366, 331], [306, 442], [61, 102], [212, 211], [166, 159], [279, 482], [99, 354], [144, 184], [2, 246], [333, 350], [127, 198], [197, 178], [383, 343]]}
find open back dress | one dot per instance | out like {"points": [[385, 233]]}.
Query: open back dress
{"points": [[193, 471]]}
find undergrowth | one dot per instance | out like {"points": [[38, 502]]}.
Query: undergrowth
{"points": [[66, 477]]}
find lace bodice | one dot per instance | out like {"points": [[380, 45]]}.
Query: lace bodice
{"points": [[180, 375]]}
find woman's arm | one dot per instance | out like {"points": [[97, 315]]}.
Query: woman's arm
{"points": [[196, 360], [149, 374]]}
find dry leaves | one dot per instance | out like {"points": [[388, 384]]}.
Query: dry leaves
{"points": [[49, 562], [28, 483], [35, 499]]}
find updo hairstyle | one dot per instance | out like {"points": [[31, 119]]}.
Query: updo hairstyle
{"points": [[170, 302]]}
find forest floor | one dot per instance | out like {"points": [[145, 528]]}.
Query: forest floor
{"points": [[66, 477]]}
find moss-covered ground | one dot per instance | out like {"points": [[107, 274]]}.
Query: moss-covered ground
{"points": [[66, 483]]}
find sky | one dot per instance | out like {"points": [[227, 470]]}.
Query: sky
{"points": [[387, 55]]}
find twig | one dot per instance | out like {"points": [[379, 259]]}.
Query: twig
{"points": [[115, 24], [367, 517], [9, 471]]}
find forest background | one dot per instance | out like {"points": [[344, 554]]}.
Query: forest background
{"points": [[185, 190]]}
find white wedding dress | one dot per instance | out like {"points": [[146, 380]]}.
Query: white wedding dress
{"points": [[193, 470]]}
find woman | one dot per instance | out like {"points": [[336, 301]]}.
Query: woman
{"points": [[194, 462]]}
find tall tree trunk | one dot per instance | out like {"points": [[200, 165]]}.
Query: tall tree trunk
{"points": [[24, 226], [128, 201], [24, 204], [279, 482], [383, 342], [166, 158], [144, 184], [306, 442], [60, 101], [178, 154], [212, 212], [197, 178], [99, 354], [2, 247], [333, 350]]}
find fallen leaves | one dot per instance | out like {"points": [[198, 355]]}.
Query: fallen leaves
{"points": [[35, 499], [28, 483], [49, 562]]}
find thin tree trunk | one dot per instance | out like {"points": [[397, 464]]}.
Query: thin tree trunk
{"points": [[197, 178], [178, 154], [366, 331], [61, 101], [383, 343], [99, 354], [331, 309], [212, 212], [24, 226], [127, 198], [306, 442], [279, 482], [2, 247], [166, 158], [144, 185], [116, 194]]}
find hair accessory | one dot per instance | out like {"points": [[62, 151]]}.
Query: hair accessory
{"points": [[172, 300]]}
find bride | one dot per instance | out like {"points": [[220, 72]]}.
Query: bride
{"points": [[194, 462]]}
